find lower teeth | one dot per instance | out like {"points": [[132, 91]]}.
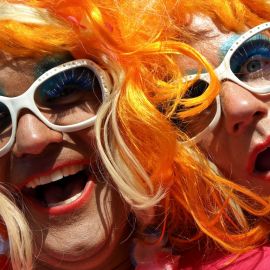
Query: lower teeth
{"points": [[70, 200]]}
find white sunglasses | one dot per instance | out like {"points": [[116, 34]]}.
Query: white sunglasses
{"points": [[65, 98], [247, 63]]}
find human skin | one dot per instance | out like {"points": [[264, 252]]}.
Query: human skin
{"points": [[92, 235], [243, 130]]}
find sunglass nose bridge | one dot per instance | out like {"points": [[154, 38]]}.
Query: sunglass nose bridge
{"points": [[23, 101], [222, 71]]}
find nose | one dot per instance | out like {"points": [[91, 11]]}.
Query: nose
{"points": [[241, 108], [33, 136]]}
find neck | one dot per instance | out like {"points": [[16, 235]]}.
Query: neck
{"points": [[121, 258], [124, 265]]}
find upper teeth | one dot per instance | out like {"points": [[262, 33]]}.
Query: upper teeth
{"points": [[55, 176]]}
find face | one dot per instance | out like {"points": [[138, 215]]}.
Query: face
{"points": [[77, 218], [239, 144]]}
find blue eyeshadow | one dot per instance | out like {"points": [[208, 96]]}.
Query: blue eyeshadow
{"points": [[191, 71], [194, 71], [224, 48], [51, 61]]}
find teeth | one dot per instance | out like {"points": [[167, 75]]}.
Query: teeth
{"points": [[66, 171], [73, 170], [55, 176], [70, 200]]}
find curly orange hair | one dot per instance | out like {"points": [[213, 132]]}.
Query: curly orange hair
{"points": [[143, 39]]}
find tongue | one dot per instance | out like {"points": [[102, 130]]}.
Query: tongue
{"points": [[263, 161], [62, 190]]}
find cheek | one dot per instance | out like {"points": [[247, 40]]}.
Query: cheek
{"points": [[85, 141], [85, 136], [221, 150], [216, 148]]}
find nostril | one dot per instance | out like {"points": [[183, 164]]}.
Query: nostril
{"points": [[258, 114], [236, 127]]}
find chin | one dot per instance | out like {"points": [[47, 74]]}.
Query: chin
{"points": [[78, 255], [83, 239]]}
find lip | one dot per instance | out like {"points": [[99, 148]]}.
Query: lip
{"points": [[67, 208], [260, 147]]}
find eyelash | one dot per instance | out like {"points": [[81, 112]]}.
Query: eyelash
{"points": [[54, 87], [258, 46]]}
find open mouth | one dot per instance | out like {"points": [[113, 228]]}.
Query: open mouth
{"points": [[62, 187], [262, 162]]}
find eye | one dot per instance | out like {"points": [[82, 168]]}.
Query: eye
{"points": [[69, 97], [252, 59], [254, 64], [67, 88]]}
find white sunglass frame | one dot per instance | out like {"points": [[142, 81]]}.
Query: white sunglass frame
{"points": [[26, 100], [224, 72]]}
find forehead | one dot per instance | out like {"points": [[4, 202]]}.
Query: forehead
{"points": [[212, 38], [18, 73], [211, 42]]}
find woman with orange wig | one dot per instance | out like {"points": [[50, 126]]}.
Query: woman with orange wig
{"points": [[93, 163], [234, 38]]}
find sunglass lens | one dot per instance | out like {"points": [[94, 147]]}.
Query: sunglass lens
{"points": [[196, 89], [251, 61], [5, 125], [193, 126], [69, 97]]}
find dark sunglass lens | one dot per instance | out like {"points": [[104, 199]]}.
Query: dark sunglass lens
{"points": [[69, 97], [5, 125], [196, 89], [192, 126]]}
